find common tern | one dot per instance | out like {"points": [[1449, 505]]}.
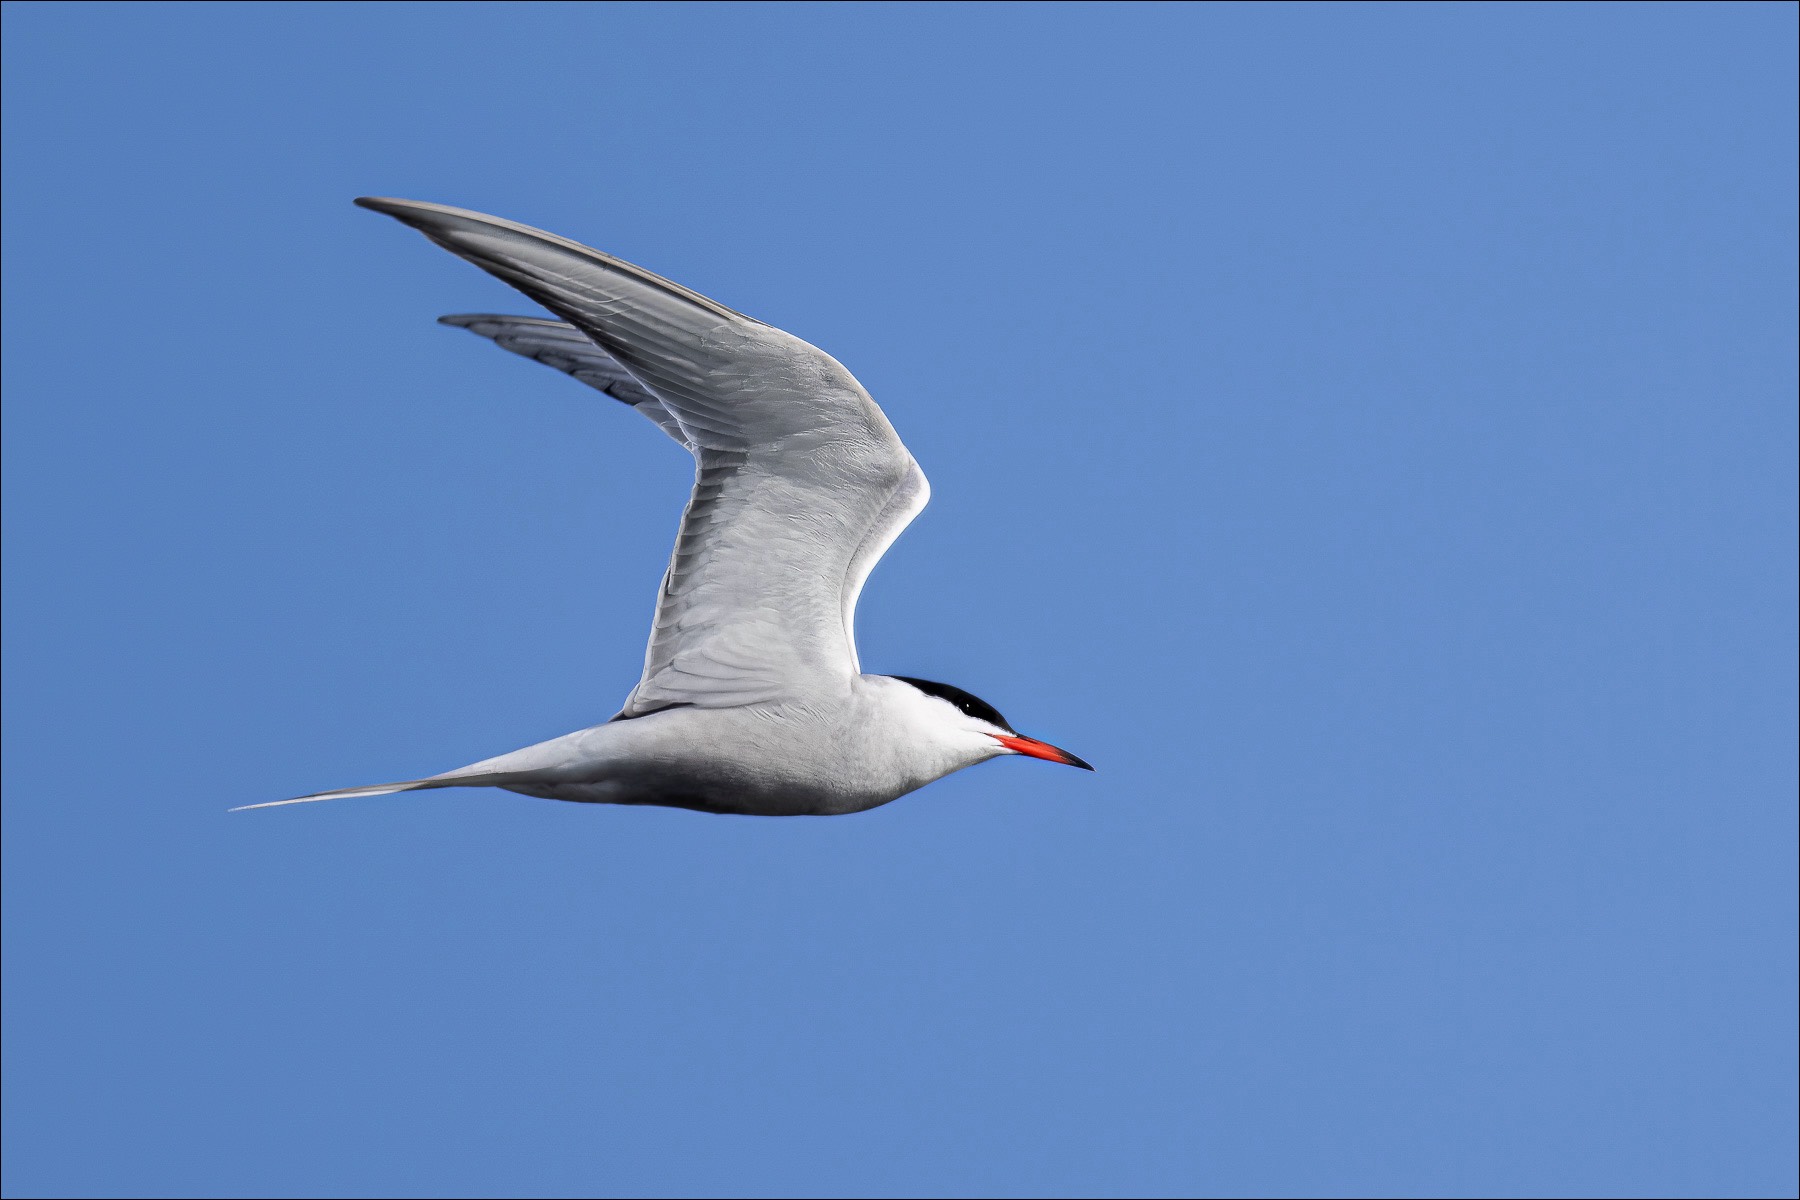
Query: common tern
{"points": [[752, 699]]}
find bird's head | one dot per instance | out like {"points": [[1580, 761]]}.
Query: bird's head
{"points": [[973, 726]]}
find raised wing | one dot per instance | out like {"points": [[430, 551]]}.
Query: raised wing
{"points": [[800, 485]]}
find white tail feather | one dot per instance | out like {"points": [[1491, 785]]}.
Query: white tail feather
{"points": [[379, 789], [465, 777]]}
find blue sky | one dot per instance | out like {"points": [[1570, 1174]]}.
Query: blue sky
{"points": [[1366, 434]]}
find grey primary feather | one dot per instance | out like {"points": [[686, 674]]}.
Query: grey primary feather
{"points": [[562, 346], [801, 483]]}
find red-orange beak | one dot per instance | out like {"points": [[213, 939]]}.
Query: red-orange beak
{"points": [[1037, 749]]}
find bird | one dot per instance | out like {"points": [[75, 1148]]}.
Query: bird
{"points": [[752, 699]]}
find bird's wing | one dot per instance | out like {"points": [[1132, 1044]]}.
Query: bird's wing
{"points": [[561, 345], [800, 484]]}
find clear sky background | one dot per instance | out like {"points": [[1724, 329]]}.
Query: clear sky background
{"points": [[1366, 434]]}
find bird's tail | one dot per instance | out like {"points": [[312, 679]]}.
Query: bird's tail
{"points": [[453, 779]]}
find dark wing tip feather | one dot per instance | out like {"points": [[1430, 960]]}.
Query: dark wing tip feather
{"points": [[470, 320], [443, 222]]}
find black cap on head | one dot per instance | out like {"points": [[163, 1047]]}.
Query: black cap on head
{"points": [[973, 706]]}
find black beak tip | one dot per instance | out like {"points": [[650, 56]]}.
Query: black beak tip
{"points": [[1076, 762]]}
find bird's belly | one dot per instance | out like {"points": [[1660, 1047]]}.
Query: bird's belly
{"points": [[803, 785], [763, 760]]}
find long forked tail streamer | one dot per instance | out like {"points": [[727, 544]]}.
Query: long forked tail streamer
{"points": [[463, 777], [378, 789]]}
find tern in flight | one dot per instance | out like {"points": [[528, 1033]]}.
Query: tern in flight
{"points": [[752, 699]]}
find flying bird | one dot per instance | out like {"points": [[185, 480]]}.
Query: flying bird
{"points": [[752, 699]]}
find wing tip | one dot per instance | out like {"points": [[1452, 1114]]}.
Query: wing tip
{"points": [[433, 220], [470, 320], [380, 204], [391, 205], [443, 221]]}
